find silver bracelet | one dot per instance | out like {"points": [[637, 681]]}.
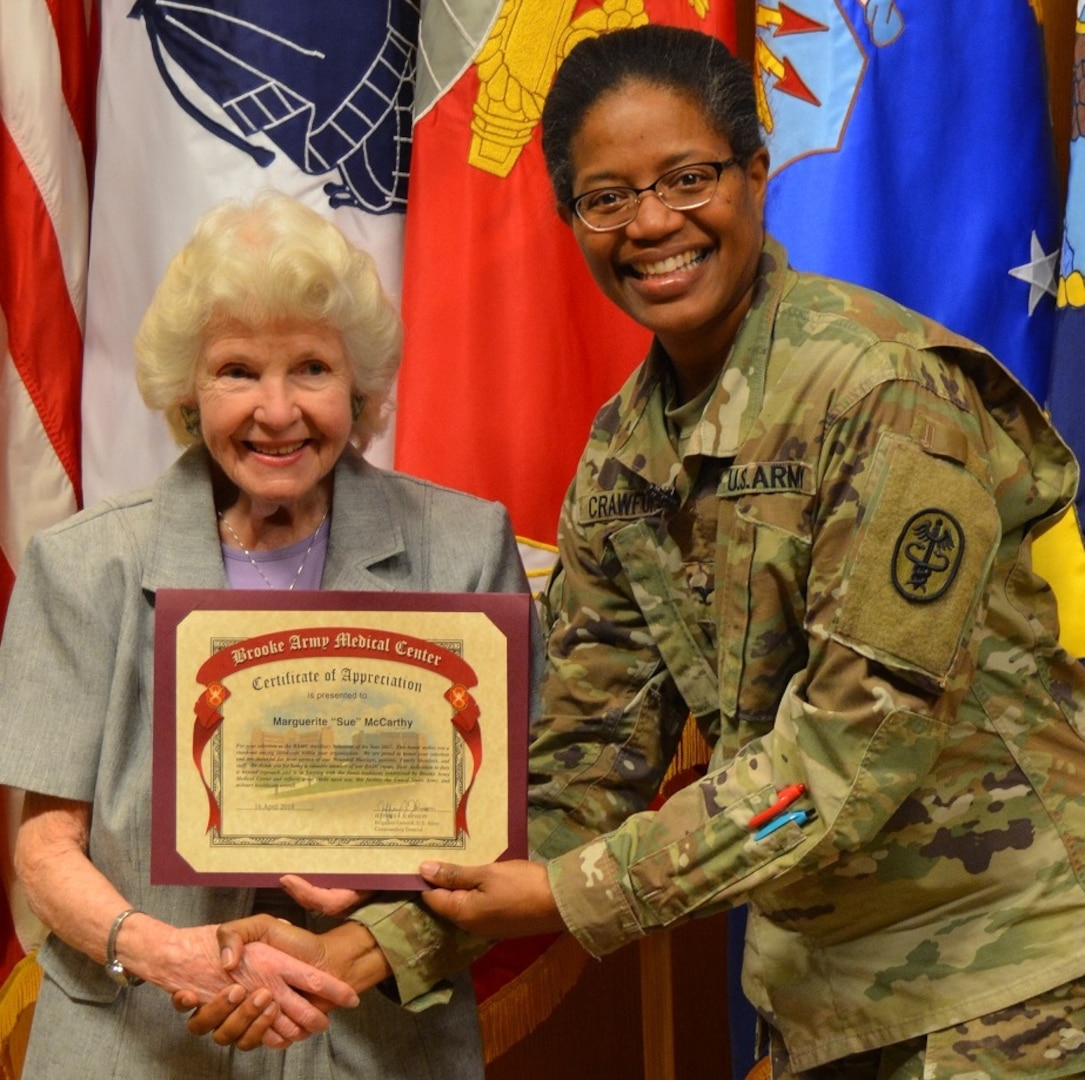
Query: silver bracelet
{"points": [[114, 968]]}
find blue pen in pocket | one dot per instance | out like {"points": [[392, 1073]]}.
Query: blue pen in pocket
{"points": [[799, 817]]}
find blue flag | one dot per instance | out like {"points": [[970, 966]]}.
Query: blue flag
{"points": [[1068, 361], [912, 152], [1060, 556]]}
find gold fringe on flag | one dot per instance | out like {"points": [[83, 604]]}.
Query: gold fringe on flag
{"points": [[517, 1008], [688, 764], [17, 998], [761, 1071], [693, 751]]}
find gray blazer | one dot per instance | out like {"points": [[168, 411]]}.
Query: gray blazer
{"points": [[76, 692]]}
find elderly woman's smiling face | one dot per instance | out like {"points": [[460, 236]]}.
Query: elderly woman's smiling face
{"points": [[275, 408]]}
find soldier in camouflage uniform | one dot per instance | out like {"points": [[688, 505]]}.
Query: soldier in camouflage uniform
{"points": [[805, 520]]}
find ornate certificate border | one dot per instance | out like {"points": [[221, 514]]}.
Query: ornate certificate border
{"points": [[342, 736]]}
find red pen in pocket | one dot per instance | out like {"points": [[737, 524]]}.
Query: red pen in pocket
{"points": [[784, 798]]}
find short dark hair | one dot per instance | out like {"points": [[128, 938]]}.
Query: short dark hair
{"points": [[688, 62]]}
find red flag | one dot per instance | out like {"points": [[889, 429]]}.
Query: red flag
{"points": [[45, 113], [510, 346]]}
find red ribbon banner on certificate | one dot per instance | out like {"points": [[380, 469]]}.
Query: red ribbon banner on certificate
{"points": [[341, 641]]}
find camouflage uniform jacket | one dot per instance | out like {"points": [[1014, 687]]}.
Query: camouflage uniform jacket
{"points": [[834, 579]]}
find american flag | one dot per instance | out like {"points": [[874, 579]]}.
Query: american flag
{"points": [[45, 134]]}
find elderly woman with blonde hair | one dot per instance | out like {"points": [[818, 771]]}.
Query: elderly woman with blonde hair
{"points": [[271, 349]]}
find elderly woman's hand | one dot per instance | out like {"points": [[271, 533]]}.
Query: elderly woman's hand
{"points": [[349, 950], [76, 902], [190, 960], [247, 1021]]}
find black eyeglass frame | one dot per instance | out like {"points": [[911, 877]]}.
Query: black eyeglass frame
{"points": [[719, 166]]}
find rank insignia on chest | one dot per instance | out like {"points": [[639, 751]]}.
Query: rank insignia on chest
{"points": [[927, 555]]}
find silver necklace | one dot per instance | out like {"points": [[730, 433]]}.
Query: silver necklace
{"points": [[256, 565]]}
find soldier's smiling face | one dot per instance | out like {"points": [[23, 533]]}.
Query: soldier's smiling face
{"points": [[686, 275]]}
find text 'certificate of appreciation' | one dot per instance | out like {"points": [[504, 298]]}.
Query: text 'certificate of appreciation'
{"points": [[342, 736]]}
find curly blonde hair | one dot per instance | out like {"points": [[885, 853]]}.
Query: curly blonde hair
{"points": [[269, 259]]}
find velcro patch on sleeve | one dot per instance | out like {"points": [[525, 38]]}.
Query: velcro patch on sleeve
{"points": [[917, 566]]}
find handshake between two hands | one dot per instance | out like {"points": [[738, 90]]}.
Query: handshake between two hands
{"points": [[287, 979]]}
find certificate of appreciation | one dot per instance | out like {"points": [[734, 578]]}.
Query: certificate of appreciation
{"points": [[342, 736]]}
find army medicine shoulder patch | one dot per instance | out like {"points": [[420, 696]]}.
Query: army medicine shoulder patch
{"points": [[927, 555], [917, 565]]}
